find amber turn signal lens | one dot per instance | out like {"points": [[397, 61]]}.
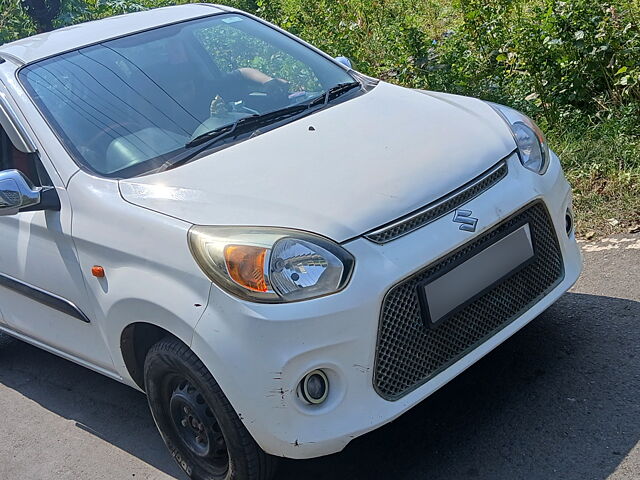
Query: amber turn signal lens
{"points": [[97, 271], [245, 265]]}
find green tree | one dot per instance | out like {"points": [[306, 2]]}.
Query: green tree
{"points": [[42, 12]]}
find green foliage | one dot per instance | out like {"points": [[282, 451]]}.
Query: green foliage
{"points": [[14, 23], [389, 39], [42, 12], [233, 49], [573, 65], [554, 59], [77, 11], [550, 57]]}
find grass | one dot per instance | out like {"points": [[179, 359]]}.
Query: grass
{"points": [[602, 163]]}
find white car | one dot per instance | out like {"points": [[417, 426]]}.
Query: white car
{"points": [[283, 253]]}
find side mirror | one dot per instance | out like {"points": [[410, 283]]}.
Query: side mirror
{"points": [[345, 61], [17, 192]]}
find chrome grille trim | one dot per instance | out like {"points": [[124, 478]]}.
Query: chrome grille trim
{"points": [[440, 207]]}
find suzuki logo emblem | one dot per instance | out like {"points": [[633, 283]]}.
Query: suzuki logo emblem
{"points": [[468, 222]]}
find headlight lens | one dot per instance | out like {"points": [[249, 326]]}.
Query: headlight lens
{"points": [[273, 265], [532, 145]]}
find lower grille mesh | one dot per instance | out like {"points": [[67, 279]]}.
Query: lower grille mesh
{"points": [[408, 354]]}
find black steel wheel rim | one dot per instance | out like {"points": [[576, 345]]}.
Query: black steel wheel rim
{"points": [[197, 428]]}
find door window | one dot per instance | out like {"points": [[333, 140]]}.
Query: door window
{"points": [[12, 158]]}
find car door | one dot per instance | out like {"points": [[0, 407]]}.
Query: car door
{"points": [[42, 290]]}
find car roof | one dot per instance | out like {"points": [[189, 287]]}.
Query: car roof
{"points": [[45, 45]]}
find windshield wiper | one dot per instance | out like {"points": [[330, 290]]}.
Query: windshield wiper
{"points": [[270, 117], [245, 124], [215, 133], [207, 139], [339, 90]]}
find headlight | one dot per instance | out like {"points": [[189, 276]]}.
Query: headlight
{"points": [[272, 265], [532, 145]]}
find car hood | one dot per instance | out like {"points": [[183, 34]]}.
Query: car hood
{"points": [[339, 172]]}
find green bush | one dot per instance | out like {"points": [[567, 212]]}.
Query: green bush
{"points": [[554, 59], [573, 65], [558, 57], [14, 24], [548, 57]]}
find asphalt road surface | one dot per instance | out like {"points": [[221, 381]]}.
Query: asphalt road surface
{"points": [[560, 399]]}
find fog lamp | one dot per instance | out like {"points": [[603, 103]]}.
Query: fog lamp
{"points": [[314, 387], [568, 218]]}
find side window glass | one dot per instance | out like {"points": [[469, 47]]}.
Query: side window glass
{"points": [[12, 158]]}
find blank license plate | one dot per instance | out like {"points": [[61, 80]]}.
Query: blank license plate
{"points": [[445, 295]]}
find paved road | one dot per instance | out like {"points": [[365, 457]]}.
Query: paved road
{"points": [[560, 400]]}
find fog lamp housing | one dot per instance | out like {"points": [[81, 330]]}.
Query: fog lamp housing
{"points": [[314, 387], [568, 219]]}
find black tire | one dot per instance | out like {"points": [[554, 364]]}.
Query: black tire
{"points": [[195, 419], [5, 339]]}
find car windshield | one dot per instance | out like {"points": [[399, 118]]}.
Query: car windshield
{"points": [[127, 106]]}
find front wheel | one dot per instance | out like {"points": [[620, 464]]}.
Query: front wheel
{"points": [[5, 339], [196, 421]]}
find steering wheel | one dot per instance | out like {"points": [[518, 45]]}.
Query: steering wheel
{"points": [[269, 96], [277, 87]]}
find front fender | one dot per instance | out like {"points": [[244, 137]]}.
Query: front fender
{"points": [[150, 274]]}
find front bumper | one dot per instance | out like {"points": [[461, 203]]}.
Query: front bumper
{"points": [[258, 353]]}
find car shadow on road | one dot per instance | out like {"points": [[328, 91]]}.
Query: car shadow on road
{"points": [[103, 407], [557, 400]]}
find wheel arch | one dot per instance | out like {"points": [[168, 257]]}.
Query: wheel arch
{"points": [[135, 342], [133, 325]]}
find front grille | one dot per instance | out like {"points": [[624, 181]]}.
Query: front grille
{"points": [[440, 207], [408, 354]]}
